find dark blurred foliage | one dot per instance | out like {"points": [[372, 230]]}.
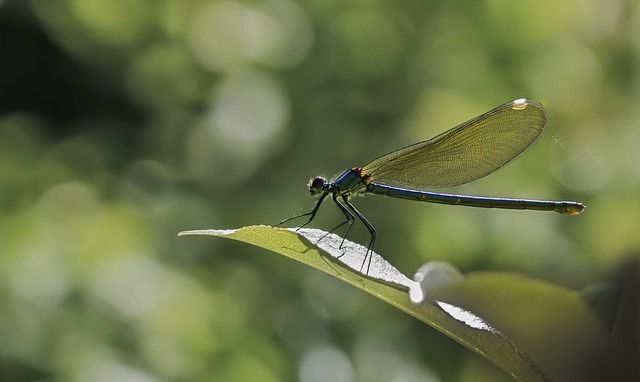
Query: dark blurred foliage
{"points": [[125, 122]]}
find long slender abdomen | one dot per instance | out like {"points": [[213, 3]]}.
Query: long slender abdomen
{"points": [[565, 207]]}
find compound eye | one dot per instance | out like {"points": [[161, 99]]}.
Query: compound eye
{"points": [[316, 185]]}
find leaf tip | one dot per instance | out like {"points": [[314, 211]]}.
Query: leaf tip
{"points": [[207, 232]]}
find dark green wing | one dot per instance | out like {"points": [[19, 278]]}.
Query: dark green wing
{"points": [[467, 152]]}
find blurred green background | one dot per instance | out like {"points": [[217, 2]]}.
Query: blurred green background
{"points": [[123, 122]]}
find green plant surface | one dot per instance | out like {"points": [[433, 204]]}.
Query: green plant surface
{"points": [[532, 329]]}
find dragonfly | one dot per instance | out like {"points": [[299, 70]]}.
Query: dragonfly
{"points": [[467, 152]]}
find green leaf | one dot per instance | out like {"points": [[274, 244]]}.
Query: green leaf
{"points": [[532, 329]]}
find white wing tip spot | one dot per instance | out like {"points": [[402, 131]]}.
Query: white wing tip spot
{"points": [[520, 104]]}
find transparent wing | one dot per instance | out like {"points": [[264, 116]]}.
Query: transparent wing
{"points": [[467, 152]]}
